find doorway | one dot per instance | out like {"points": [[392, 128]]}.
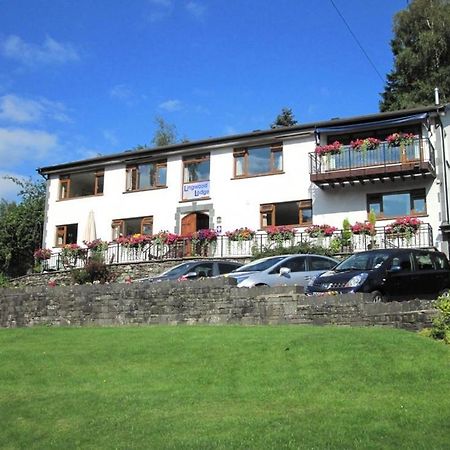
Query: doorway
{"points": [[190, 224]]}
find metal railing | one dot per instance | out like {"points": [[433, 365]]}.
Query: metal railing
{"points": [[340, 242], [420, 150]]}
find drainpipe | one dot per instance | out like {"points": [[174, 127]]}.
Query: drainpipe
{"points": [[444, 166]]}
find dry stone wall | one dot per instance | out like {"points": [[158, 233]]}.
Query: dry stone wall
{"points": [[213, 301]]}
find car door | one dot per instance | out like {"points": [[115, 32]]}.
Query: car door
{"points": [[425, 278], [442, 273], [398, 278], [296, 274], [203, 269]]}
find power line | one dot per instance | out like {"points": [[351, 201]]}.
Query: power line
{"points": [[357, 41]]}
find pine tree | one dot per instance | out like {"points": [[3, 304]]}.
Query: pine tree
{"points": [[421, 49], [284, 119]]}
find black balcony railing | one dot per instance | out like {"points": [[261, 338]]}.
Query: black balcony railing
{"points": [[339, 242], [417, 157]]}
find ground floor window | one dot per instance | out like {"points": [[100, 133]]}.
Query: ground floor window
{"points": [[286, 213], [66, 234], [135, 225], [397, 204]]}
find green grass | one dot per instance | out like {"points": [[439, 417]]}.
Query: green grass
{"points": [[223, 387]]}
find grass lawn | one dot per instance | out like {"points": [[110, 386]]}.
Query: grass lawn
{"points": [[223, 387]]}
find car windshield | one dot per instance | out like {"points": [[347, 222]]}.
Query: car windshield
{"points": [[260, 264], [178, 270], [362, 261]]}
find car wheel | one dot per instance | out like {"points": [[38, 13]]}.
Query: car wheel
{"points": [[261, 284], [377, 296]]}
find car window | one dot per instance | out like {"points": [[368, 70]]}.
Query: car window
{"points": [[226, 267], [260, 264], [181, 269], [363, 261], [318, 263], [204, 269], [423, 261], [295, 264], [440, 261], [403, 261]]}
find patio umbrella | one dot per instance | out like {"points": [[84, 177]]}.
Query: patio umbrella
{"points": [[89, 231]]}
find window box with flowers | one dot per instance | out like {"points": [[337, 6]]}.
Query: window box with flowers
{"points": [[362, 145], [318, 231], [166, 242], [400, 139], [329, 149], [403, 142], [280, 234], [96, 247], [203, 242], [363, 228], [239, 236], [403, 227], [41, 257], [71, 254]]}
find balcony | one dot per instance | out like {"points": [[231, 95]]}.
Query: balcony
{"points": [[351, 166]]}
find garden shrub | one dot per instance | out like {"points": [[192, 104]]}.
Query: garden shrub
{"points": [[94, 270], [441, 324], [303, 247]]}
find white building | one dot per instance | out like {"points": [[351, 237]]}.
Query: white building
{"points": [[272, 177]]}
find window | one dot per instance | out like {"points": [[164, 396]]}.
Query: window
{"points": [[195, 177], [423, 261], [196, 168], [255, 161], [408, 203], [286, 213], [318, 263], [66, 234], [149, 175], [128, 227], [81, 184]]}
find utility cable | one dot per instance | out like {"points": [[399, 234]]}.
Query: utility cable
{"points": [[357, 41]]}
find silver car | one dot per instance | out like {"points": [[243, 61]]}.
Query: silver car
{"points": [[282, 270]]}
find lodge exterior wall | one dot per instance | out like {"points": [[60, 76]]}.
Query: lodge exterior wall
{"points": [[213, 301]]}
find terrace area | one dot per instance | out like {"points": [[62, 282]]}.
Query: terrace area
{"points": [[347, 165]]}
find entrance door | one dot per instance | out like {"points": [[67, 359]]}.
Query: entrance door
{"points": [[192, 223]]}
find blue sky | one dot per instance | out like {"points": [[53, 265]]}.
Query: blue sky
{"points": [[87, 77]]}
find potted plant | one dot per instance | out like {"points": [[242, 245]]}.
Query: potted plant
{"points": [[41, 256], [403, 227], [70, 254], [400, 139], [316, 231], [329, 149], [202, 241]]}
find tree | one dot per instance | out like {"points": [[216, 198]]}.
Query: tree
{"points": [[421, 49], [284, 119], [21, 227], [165, 133]]}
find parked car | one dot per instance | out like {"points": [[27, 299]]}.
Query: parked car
{"points": [[390, 274], [282, 270], [193, 270]]}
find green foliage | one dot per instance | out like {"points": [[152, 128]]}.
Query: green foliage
{"points": [[441, 324], [421, 49], [94, 270], [21, 227], [165, 133], [284, 119], [4, 281], [303, 247]]}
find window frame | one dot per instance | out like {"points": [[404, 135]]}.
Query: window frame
{"points": [[61, 231], [133, 176], [65, 183], [414, 194], [267, 208], [119, 224], [196, 159], [244, 152]]}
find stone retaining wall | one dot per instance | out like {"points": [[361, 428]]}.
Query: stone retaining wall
{"points": [[213, 301]]}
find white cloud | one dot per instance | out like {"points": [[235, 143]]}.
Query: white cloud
{"points": [[125, 94], [49, 52], [21, 110], [18, 145], [160, 9], [196, 9], [171, 105], [230, 130]]}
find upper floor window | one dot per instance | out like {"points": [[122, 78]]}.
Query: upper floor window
{"points": [[286, 213], [149, 175], [397, 204], [81, 184], [195, 177], [263, 160], [135, 225], [66, 234], [196, 168]]}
